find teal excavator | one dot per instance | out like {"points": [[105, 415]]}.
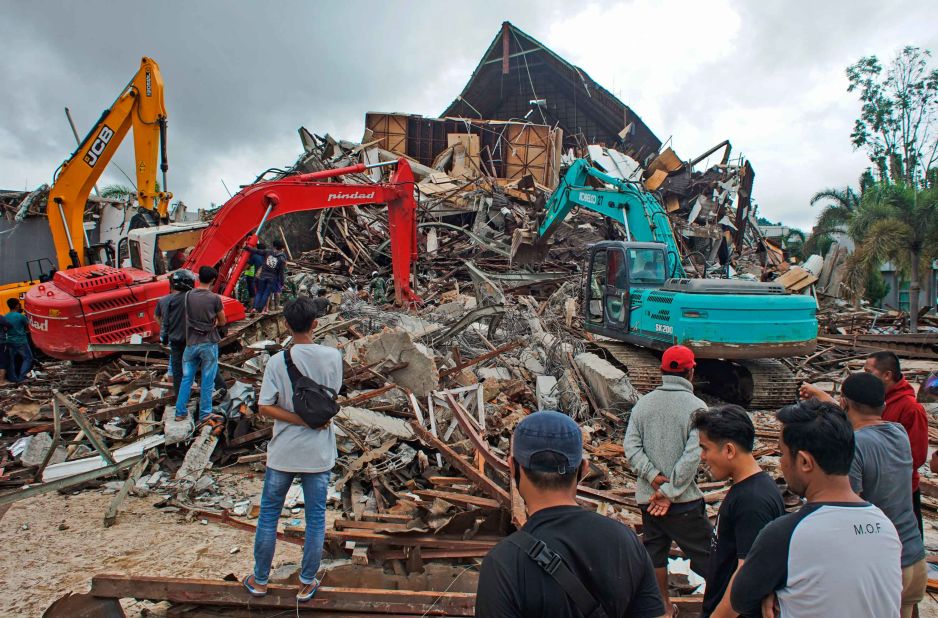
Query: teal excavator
{"points": [[637, 297]]}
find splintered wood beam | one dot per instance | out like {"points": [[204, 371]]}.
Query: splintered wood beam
{"points": [[483, 482], [459, 499], [479, 359], [218, 592]]}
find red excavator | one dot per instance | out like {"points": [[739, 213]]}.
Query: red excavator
{"points": [[83, 311]]}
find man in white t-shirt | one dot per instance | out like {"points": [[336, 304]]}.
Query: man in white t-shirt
{"points": [[295, 450]]}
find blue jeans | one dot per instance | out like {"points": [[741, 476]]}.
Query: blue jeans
{"points": [[207, 355], [20, 360], [265, 287], [276, 485]]}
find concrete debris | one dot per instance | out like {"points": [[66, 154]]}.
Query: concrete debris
{"points": [[609, 384]]}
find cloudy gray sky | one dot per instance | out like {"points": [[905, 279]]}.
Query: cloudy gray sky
{"points": [[241, 77]]}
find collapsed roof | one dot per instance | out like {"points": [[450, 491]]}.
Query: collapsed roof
{"points": [[518, 77]]}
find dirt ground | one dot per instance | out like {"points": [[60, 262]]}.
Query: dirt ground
{"points": [[55, 543]]}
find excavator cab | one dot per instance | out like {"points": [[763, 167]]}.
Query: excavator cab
{"points": [[616, 269]]}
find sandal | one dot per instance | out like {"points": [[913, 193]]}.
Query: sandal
{"points": [[308, 591], [250, 582]]}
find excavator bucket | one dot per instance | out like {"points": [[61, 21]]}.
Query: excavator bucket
{"points": [[527, 248]]}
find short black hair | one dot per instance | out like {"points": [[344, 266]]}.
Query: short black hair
{"points": [[13, 303], [278, 244], [726, 423], [822, 429], [887, 361], [300, 313], [865, 391], [548, 481], [207, 274]]}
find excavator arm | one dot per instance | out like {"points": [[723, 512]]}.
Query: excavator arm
{"points": [[140, 105], [638, 211], [239, 222]]}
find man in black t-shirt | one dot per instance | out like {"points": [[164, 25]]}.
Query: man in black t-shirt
{"points": [[600, 559], [726, 440]]}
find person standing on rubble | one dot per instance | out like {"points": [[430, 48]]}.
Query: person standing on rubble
{"points": [[839, 555], [902, 408], [4, 354], [203, 313], [19, 352], [271, 274], [171, 316], [881, 471], [295, 450], [727, 437], [565, 561], [255, 262], [663, 449], [378, 289]]}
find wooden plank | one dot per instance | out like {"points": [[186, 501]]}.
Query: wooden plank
{"points": [[111, 515], [401, 540], [89, 431], [463, 499], [478, 359], [216, 592], [484, 483], [103, 414], [482, 448], [250, 437]]}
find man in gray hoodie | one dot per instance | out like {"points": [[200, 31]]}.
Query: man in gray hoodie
{"points": [[664, 451]]}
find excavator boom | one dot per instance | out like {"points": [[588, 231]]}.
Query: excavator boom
{"points": [[139, 105]]}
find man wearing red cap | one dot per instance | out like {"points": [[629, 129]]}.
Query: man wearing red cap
{"points": [[663, 449]]}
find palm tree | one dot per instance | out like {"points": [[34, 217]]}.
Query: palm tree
{"points": [[894, 222], [842, 204]]}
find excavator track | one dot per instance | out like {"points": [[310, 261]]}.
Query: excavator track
{"points": [[762, 384], [642, 366]]}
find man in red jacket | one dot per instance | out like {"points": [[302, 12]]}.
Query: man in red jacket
{"points": [[902, 408]]}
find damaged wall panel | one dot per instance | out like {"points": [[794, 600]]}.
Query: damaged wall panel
{"points": [[509, 149]]}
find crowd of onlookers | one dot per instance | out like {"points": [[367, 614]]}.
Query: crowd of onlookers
{"points": [[853, 548]]}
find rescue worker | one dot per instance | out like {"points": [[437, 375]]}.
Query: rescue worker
{"points": [[378, 289]]}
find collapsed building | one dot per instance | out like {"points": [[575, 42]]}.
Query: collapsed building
{"points": [[421, 491]]}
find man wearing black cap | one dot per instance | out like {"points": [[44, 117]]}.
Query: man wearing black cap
{"points": [[565, 561], [882, 472], [664, 451]]}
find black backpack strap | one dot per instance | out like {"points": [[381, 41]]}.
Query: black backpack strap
{"points": [[552, 564], [294, 372]]}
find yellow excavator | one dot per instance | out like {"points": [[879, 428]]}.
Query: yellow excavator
{"points": [[140, 105]]}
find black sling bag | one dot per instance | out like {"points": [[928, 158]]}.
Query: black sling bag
{"points": [[552, 564], [314, 403]]}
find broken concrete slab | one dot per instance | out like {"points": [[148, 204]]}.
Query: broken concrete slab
{"points": [[494, 373], [37, 447], [547, 393], [609, 384], [395, 346], [197, 457], [370, 421]]}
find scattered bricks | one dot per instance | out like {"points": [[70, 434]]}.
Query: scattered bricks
{"points": [[609, 384]]}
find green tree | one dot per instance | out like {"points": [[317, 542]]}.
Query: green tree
{"points": [[898, 223], [118, 192], [899, 114]]}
